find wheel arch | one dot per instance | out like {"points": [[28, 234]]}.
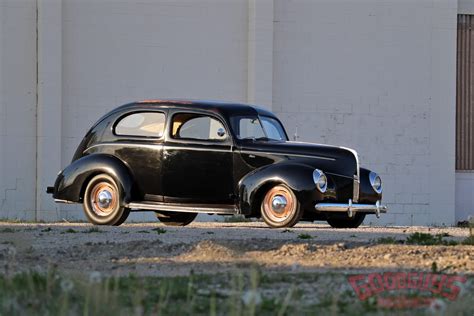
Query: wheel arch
{"points": [[298, 177], [71, 182]]}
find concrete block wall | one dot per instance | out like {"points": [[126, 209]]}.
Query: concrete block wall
{"points": [[118, 52], [17, 109], [378, 76]]}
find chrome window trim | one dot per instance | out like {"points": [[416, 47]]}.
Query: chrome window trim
{"points": [[128, 114]]}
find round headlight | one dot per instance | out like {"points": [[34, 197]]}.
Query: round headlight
{"points": [[320, 180], [376, 182]]}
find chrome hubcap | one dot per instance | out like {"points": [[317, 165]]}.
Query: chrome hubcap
{"points": [[279, 203], [104, 199]]}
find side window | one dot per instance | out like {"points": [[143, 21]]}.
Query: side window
{"points": [[273, 128], [250, 128], [197, 126], [145, 124]]}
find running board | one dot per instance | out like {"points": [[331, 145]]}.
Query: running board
{"points": [[194, 208]]}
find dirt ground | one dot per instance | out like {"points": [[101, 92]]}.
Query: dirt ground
{"points": [[154, 249]]}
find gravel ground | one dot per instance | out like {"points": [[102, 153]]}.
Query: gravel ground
{"points": [[307, 268], [153, 249]]}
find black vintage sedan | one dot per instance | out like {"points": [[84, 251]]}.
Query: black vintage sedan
{"points": [[179, 158]]}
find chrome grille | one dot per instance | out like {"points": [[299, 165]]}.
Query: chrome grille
{"points": [[356, 186]]}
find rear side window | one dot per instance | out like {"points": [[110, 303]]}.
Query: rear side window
{"points": [[144, 124]]}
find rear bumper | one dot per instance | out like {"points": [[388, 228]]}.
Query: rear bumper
{"points": [[351, 208]]}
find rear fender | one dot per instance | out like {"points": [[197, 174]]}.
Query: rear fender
{"points": [[72, 181]]}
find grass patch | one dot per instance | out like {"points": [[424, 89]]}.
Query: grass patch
{"points": [[143, 231], [7, 230], [429, 240], [304, 236], [92, 230], [46, 230], [388, 241], [236, 219], [159, 230], [424, 239], [248, 292], [468, 241], [69, 231], [54, 294]]}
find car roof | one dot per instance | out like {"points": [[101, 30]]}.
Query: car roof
{"points": [[224, 108]]}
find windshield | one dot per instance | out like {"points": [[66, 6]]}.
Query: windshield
{"points": [[258, 128]]}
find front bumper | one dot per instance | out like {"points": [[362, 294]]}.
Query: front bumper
{"points": [[351, 208]]}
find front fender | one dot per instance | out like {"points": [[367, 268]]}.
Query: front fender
{"points": [[367, 193], [298, 177], [71, 182]]}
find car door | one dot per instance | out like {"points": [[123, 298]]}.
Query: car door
{"points": [[139, 141], [197, 159]]}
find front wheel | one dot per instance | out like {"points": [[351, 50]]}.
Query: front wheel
{"points": [[280, 208], [176, 218], [103, 201], [346, 221]]}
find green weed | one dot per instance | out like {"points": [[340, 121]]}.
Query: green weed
{"points": [[92, 230], [429, 239], [159, 230], [304, 236], [388, 240], [69, 231]]}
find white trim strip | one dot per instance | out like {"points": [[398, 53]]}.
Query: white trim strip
{"points": [[155, 145], [285, 154]]}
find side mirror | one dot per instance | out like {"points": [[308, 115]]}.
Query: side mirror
{"points": [[221, 132]]}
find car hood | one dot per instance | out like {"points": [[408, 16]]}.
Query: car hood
{"points": [[330, 159]]}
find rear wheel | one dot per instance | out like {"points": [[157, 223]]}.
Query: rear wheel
{"points": [[176, 218], [346, 221], [280, 208], [103, 201]]}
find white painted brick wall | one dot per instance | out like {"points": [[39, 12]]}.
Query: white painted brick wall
{"points": [[118, 52], [17, 109], [378, 76]]}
